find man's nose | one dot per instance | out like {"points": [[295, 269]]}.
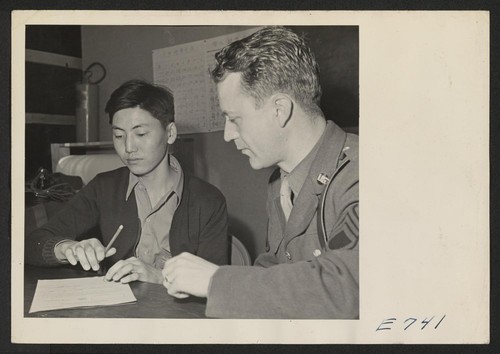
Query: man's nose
{"points": [[130, 145], [230, 132]]}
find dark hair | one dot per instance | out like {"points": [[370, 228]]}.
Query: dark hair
{"points": [[273, 59], [155, 99]]}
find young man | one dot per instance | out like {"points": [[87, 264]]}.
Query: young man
{"points": [[163, 211], [269, 92]]}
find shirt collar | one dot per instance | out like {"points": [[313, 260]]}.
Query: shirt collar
{"points": [[175, 171], [299, 174]]}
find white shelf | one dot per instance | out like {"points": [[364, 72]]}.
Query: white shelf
{"points": [[65, 61]]}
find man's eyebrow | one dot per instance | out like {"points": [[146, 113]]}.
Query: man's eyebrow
{"points": [[229, 114], [228, 110], [144, 125]]}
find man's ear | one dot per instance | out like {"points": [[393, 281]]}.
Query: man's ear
{"points": [[172, 133], [284, 109]]}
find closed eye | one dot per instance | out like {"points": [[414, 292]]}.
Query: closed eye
{"points": [[233, 120]]}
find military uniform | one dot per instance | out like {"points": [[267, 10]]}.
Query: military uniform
{"points": [[304, 273]]}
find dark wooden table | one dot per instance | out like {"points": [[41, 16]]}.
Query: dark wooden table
{"points": [[152, 299]]}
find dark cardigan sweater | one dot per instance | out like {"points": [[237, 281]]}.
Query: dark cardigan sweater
{"points": [[199, 225]]}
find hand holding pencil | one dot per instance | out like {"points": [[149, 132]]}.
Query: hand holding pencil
{"points": [[89, 253], [113, 239]]}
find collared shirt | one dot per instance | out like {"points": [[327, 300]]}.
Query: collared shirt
{"points": [[154, 247], [299, 174]]}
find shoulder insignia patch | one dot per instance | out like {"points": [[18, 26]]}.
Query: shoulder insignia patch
{"points": [[346, 231]]}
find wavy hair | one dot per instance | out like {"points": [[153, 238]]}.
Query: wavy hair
{"points": [[273, 59]]}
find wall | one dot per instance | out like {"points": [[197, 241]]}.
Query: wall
{"points": [[126, 52]]}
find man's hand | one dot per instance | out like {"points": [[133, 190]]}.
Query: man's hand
{"points": [[133, 269], [89, 253], [188, 274]]}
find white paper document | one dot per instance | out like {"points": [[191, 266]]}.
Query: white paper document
{"points": [[57, 294]]}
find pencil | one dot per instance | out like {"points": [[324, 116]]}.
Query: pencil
{"points": [[113, 239]]}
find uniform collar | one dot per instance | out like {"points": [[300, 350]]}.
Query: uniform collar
{"points": [[324, 162], [299, 174], [328, 156]]}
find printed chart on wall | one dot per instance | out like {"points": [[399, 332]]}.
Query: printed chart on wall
{"points": [[185, 70]]}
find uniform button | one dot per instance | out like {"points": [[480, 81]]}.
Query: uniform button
{"points": [[288, 255], [316, 252]]}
